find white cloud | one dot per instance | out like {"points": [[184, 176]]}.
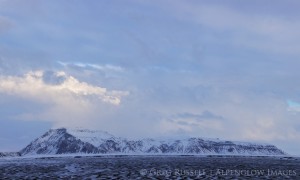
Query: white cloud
{"points": [[106, 67], [33, 85], [67, 99]]}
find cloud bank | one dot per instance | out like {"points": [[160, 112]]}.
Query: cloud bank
{"points": [[66, 98]]}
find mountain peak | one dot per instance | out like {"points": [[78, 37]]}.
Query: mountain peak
{"points": [[94, 137]]}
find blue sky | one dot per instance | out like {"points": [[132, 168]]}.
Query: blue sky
{"points": [[218, 69]]}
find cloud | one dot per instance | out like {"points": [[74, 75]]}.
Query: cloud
{"points": [[265, 31], [39, 84], [204, 115], [188, 123], [66, 99], [106, 67]]}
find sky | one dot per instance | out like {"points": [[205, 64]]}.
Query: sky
{"points": [[134, 68]]}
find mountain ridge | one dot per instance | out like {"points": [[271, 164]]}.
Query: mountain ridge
{"points": [[84, 141]]}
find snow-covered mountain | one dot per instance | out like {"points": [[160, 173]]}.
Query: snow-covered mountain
{"points": [[71, 141]]}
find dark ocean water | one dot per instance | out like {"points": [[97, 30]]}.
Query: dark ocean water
{"points": [[151, 167]]}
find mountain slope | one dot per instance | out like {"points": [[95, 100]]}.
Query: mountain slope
{"points": [[58, 141], [70, 141]]}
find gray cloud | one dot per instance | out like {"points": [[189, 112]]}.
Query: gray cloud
{"points": [[203, 115]]}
